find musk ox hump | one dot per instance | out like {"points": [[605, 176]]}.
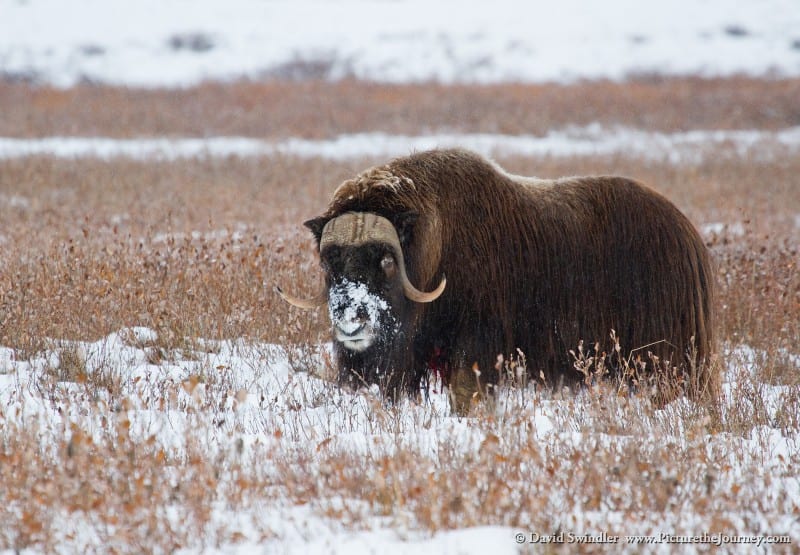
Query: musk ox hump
{"points": [[374, 178]]}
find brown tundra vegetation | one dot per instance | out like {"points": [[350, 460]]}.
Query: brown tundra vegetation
{"points": [[157, 394]]}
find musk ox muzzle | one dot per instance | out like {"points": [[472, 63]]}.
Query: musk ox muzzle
{"points": [[359, 228]]}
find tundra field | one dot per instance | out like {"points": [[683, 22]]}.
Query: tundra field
{"points": [[156, 395]]}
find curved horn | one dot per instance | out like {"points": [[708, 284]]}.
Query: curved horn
{"points": [[320, 299], [356, 228], [412, 292]]}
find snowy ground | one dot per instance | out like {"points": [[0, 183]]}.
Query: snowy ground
{"points": [[175, 42], [256, 393], [574, 141]]}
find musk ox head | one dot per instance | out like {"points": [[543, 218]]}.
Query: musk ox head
{"points": [[369, 295]]}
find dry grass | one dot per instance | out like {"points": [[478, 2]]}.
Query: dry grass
{"points": [[195, 249], [322, 109], [192, 248], [196, 246]]}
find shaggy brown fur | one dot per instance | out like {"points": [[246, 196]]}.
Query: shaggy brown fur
{"points": [[538, 265]]}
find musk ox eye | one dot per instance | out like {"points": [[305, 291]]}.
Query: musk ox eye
{"points": [[388, 265]]}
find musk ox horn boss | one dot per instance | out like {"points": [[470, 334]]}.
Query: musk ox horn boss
{"points": [[531, 265]]}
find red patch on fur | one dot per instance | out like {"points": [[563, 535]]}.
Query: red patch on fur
{"points": [[439, 366]]}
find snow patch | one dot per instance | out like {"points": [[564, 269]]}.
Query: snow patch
{"points": [[15, 201], [590, 140], [711, 229], [120, 42]]}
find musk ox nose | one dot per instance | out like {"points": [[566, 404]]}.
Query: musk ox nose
{"points": [[354, 320], [359, 316], [349, 310], [350, 328]]}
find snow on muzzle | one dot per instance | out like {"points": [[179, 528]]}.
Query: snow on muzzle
{"points": [[359, 317]]}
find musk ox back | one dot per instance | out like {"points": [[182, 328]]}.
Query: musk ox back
{"points": [[441, 260]]}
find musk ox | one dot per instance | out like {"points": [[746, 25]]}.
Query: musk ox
{"points": [[442, 261]]}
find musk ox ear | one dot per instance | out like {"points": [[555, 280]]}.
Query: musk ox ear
{"points": [[316, 225], [404, 224]]}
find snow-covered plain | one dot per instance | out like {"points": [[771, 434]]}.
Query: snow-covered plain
{"points": [[176, 42], [254, 402], [574, 141]]}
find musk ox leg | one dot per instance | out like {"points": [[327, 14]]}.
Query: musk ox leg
{"points": [[467, 388], [462, 389]]}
